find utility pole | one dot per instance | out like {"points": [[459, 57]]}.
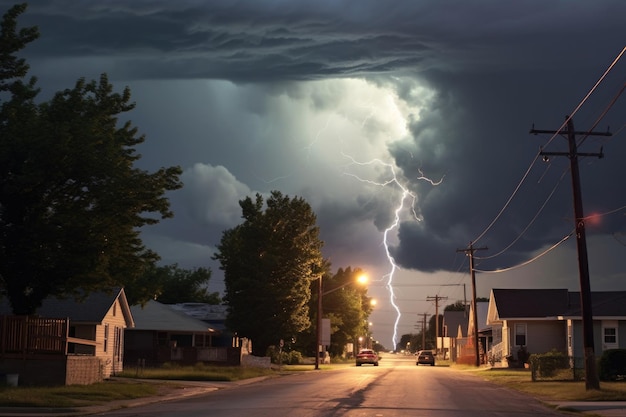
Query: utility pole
{"points": [[436, 299], [591, 376], [470, 252], [421, 325]]}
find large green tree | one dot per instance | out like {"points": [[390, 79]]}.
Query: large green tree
{"points": [[346, 303], [348, 309], [171, 284], [269, 261], [71, 201]]}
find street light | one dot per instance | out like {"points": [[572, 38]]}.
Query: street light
{"points": [[361, 279]]}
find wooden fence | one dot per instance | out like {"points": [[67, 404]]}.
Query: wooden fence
{"points": [[33, 335]]}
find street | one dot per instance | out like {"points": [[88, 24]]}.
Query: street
{"points": [[396, 388]]}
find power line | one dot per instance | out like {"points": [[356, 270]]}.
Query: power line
{"points": [[555, 133], [497, 271], [530, 223]]}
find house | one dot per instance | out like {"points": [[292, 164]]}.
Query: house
{"points": [[75, 341], [465, 351], [214, 315], [164, 334], [454, 329], [541, 320]]}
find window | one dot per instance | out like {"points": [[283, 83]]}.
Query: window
{"points": [[610, 339], [520, 334], [610, 335], [117, 342], [106, 337]]}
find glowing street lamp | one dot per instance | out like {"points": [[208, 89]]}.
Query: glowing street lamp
{"points": [[361, 279]]}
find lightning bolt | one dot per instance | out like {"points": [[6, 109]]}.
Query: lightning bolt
{"points": [[404, 195]]}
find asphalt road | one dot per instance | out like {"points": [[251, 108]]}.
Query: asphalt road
{"points": [[396, 388]]}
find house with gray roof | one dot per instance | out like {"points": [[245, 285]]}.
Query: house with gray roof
{"points": [[542, 320], [162, 334], [75, 340]]}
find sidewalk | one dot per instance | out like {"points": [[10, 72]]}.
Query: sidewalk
{"points": [[600, 408]]}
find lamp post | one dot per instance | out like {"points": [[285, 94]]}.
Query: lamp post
{"points": [[361, 279]]}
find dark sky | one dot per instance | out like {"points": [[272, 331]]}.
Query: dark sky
{"points": [[354, 105]]}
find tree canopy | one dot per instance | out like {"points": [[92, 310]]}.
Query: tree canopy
{"points": [[171, 284], [71, 202], [269, 261], [348, 308]]}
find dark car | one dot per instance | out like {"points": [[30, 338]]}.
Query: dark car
{"points": [[366, 356], [425, 357]]}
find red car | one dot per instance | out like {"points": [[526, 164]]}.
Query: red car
{"points": [[366, 356]]}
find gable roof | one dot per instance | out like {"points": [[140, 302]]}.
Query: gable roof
{"points": [[603, 304], [507, 304], [161, 317], [454, 320], [529, 303], [90, 310]]}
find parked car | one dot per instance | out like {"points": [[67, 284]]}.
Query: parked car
{"points": [[366, 356], [425, 357]]}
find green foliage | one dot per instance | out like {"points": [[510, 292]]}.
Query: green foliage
{"points": [[278, 356], [198, 372], [74, 395], [613, 365], [345, 303], [269, 261], [546, 365], [12, 40], [170, 284], [348, 307], [71, 202], [458, 306]]}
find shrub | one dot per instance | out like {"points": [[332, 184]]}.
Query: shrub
{"points": [[294, 358], [282, 357], [613, 365], [547, 364]]}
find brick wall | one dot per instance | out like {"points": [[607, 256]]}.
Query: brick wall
{"points": [[53, 370], [83, 370]]}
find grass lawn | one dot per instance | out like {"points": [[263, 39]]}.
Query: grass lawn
{"points": [[75, 395], [199, 372], [122, 388], [520, 379]]}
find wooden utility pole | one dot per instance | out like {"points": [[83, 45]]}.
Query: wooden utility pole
{"points": [[591, 375], [436, 300], [424, 332], [470, 252]]}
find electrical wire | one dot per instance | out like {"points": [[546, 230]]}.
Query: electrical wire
{"points": [[582, 102], [497, 271], [606, 110], [509, 200], [606, 213], [531, 222]]}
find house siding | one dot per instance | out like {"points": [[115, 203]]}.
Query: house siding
{"points": [[541, 336], [109, 350], [598, 343]]}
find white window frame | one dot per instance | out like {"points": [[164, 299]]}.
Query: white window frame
{"points": [[610, 326]]}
